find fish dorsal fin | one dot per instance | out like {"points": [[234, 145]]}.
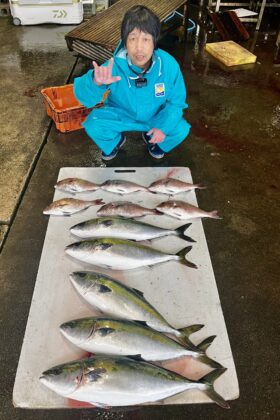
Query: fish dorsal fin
{"points": [[138, 292], [136, 357]]}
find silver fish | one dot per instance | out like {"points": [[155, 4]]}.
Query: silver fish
{"points": [[76, 185], [68, 206], [121, 337], [121, 381], [120, 254], [114, 298], [125, 229], [172, 186], [124, 209], [119, 186], [184, 211]]}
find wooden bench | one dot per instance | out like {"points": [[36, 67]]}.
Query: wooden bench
{"points": [[97, 38]]}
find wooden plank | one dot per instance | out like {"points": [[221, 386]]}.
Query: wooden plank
{"points": [[104, 28], [229, 26]]}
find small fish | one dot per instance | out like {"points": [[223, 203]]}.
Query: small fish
{"points": [[76, 185], [114, 298], [119, 186], [68, 206], [119, 337], [172, 186], [107, 381], [124, 209], [110, 227], [184, 211], [120, 254]]}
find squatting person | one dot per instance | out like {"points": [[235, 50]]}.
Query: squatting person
{"points": [[147, 91]]}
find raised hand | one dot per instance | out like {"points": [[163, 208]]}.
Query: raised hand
{"points": [[103, 75], [157, 135]]}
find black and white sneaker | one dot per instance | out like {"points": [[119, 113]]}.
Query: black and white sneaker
{"points": [[154, 150], [114, 152]]}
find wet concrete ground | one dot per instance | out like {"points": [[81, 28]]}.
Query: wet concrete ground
{"points": [[32, 58], [234, 149]]}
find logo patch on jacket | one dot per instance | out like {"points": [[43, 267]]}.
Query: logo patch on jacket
{"points": [[159, 89]]}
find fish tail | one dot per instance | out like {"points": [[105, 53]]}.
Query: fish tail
{"points": [[214, 214], [208, 380], [181, 254], [201, 187], [97, 202], [203, 358], [205, 344], [157, 212], [184, 334], [180, 232], [191, 329]]}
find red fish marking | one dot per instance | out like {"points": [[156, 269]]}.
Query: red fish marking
{"points": [[79, 404], [172, 172], [220, 141]]}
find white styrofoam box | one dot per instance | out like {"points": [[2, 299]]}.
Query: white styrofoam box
{"points": [[31, 12], [101, 5], [89, 8], [183, 295]]}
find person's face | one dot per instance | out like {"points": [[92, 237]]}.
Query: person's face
{"points": [[140, 47]]}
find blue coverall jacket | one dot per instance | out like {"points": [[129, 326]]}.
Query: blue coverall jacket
{"points": [[159, 104]]}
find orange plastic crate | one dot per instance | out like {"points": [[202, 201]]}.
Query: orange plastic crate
{"points": [[64, 109]]}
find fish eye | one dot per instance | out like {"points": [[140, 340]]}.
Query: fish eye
{"points": [[81, 274], [103, 247], [69, 324], [106, 223], [56, 371]]}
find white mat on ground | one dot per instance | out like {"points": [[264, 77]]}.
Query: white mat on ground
{"points": [[183, 295]]}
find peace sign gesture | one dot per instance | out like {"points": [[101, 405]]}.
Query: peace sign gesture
{"points": [[103, 75]]}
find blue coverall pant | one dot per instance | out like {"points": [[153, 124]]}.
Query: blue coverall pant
{"points": [[105, 125]]}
